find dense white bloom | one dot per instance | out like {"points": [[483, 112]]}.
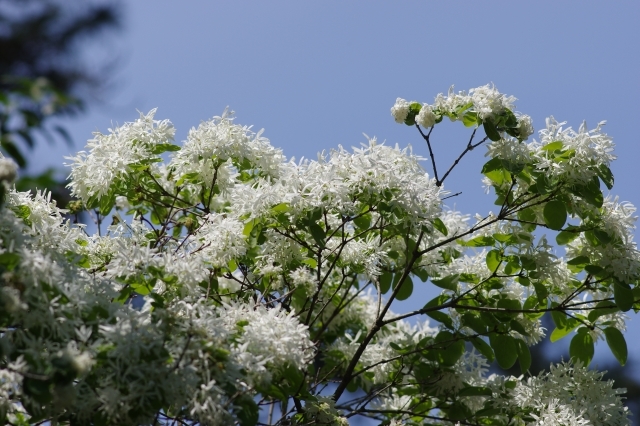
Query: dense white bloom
{"points": [[572, 390], [110, 156], [525, 127], [426, 117], [587, 148], [400, 110], [488, 101], [273, 334], [221, 239]]}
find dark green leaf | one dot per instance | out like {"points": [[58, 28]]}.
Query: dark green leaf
{"points": [[405, 289], [577, 264], [617, 344], [555, 214], [623, 296], [581, 347], [505, 348], [491, 130], [385, 282], [483, 347], [317, 233], [524, 356]]}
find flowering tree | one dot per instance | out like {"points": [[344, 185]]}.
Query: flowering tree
{"points": [[268, 285]]}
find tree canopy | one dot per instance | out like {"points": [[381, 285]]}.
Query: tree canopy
{"points": [[268, 286]]}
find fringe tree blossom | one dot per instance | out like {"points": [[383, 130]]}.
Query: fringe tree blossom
{"points": [[233, 286]]}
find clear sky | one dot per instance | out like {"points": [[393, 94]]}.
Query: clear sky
{"points": [[319, 74]]}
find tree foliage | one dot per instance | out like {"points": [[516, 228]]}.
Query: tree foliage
{"points": [[268, 285]]}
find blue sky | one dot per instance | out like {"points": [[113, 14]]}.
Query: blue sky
{"points": [[319, 74]]}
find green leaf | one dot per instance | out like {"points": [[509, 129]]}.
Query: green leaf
{"points": [[474, 322], [449, 282], [470, 119], [363, 221], [529, 217], [405, 289], [493, 260], [577, 264], [107, 202], [623, 296], [164, 147], [566, 236], [440, 226], [483, 347], [280, 208], [441, 317], [604, 307], [602, 236], [590, 192], [491, 130], [605, 174], [481, 241], [581, 347], [552, 146], [421, 273], [617, 344], [452, 348], [505, 348], [494, 169], [559, 333], [524, 356], [555, 214], [385, 281], [317, 233]]}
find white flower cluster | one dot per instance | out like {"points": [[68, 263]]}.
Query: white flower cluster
{"points": [[259, 275], [571, 395], [586, 150], [486, 102], [110, 156]]}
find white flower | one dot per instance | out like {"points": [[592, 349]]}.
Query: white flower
{"points": [[272, 334], [8, 170], [110, 156], [426, 117], [525, 127], [400, 110]]}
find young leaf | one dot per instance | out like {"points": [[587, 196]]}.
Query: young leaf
{"points": [[440, 226], [493, 260], [481, 241]]}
